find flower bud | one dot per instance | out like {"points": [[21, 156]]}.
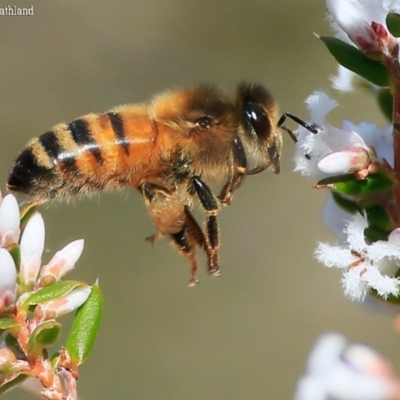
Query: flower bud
{"points": [[9, 221], [62, 262], [32, 245], [346, 161], [8, 281], [63, 305]]}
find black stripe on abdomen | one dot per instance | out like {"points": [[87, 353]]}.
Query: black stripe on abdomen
{"points": [[118, 128], [80, 131]]}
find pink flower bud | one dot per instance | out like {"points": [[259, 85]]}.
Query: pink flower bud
{"points": [[8, 281], [62, 262], [345, 161], [64, 305]]}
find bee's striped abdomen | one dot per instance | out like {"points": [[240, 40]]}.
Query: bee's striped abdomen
{"points": [[90, 153]]}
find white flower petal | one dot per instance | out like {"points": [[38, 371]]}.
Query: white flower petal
{"points": [[343, 81], [355, 233], [320, 104], [384, 285], [354, 286], [334, 256]]}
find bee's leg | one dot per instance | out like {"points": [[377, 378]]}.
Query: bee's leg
{"points": [[172, 218], [239, 168], [184, 244], [211, 207]]}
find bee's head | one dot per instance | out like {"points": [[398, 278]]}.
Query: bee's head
{"points": [[259, 120]]}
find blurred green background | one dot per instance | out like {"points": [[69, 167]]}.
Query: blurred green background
{"points": [[248, 333]]}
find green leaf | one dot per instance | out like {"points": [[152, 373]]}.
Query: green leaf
{"points": [[85, 326], [51, 292], [373, 234], [7, 323], [350, 186], [385, 102], [45, 334], [348, 205], [27, 210], [393, 24], [378, 218], [16, 255], [12, 381], [355, 60]]}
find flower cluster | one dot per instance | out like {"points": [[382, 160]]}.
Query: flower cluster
{"points": [[358, 163], [32, 298]]}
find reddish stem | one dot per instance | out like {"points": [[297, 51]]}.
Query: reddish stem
{"points": [[396, 141]]}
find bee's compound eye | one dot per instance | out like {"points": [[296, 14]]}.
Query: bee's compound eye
{"points": [[256, 120]]}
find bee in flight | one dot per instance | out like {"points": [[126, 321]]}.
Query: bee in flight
{"points": [[171, 149]]}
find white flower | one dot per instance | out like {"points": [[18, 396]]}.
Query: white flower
{"points": [[365, 266], [327, 141], [343, 80], [340, 371], [364, 23]]}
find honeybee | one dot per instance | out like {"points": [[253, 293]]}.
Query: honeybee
{"points": [[171, 149]]}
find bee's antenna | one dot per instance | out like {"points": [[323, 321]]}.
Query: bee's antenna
{"points": [[310, 127]]}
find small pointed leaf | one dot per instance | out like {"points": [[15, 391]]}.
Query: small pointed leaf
{"points": [[52, 292], [349, 185], [85, 327], [393, 24], [45, 334], [353, 59]]}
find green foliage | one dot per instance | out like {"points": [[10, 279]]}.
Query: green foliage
{"points": [[85, 327], [353, 59]]}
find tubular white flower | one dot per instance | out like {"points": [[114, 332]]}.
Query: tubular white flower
{"points": [[346, 372], [9, 221], [328, 140], [8, 280], [32, 245], [354, 17], [62, 262], [366, 266], [63, 305]]}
